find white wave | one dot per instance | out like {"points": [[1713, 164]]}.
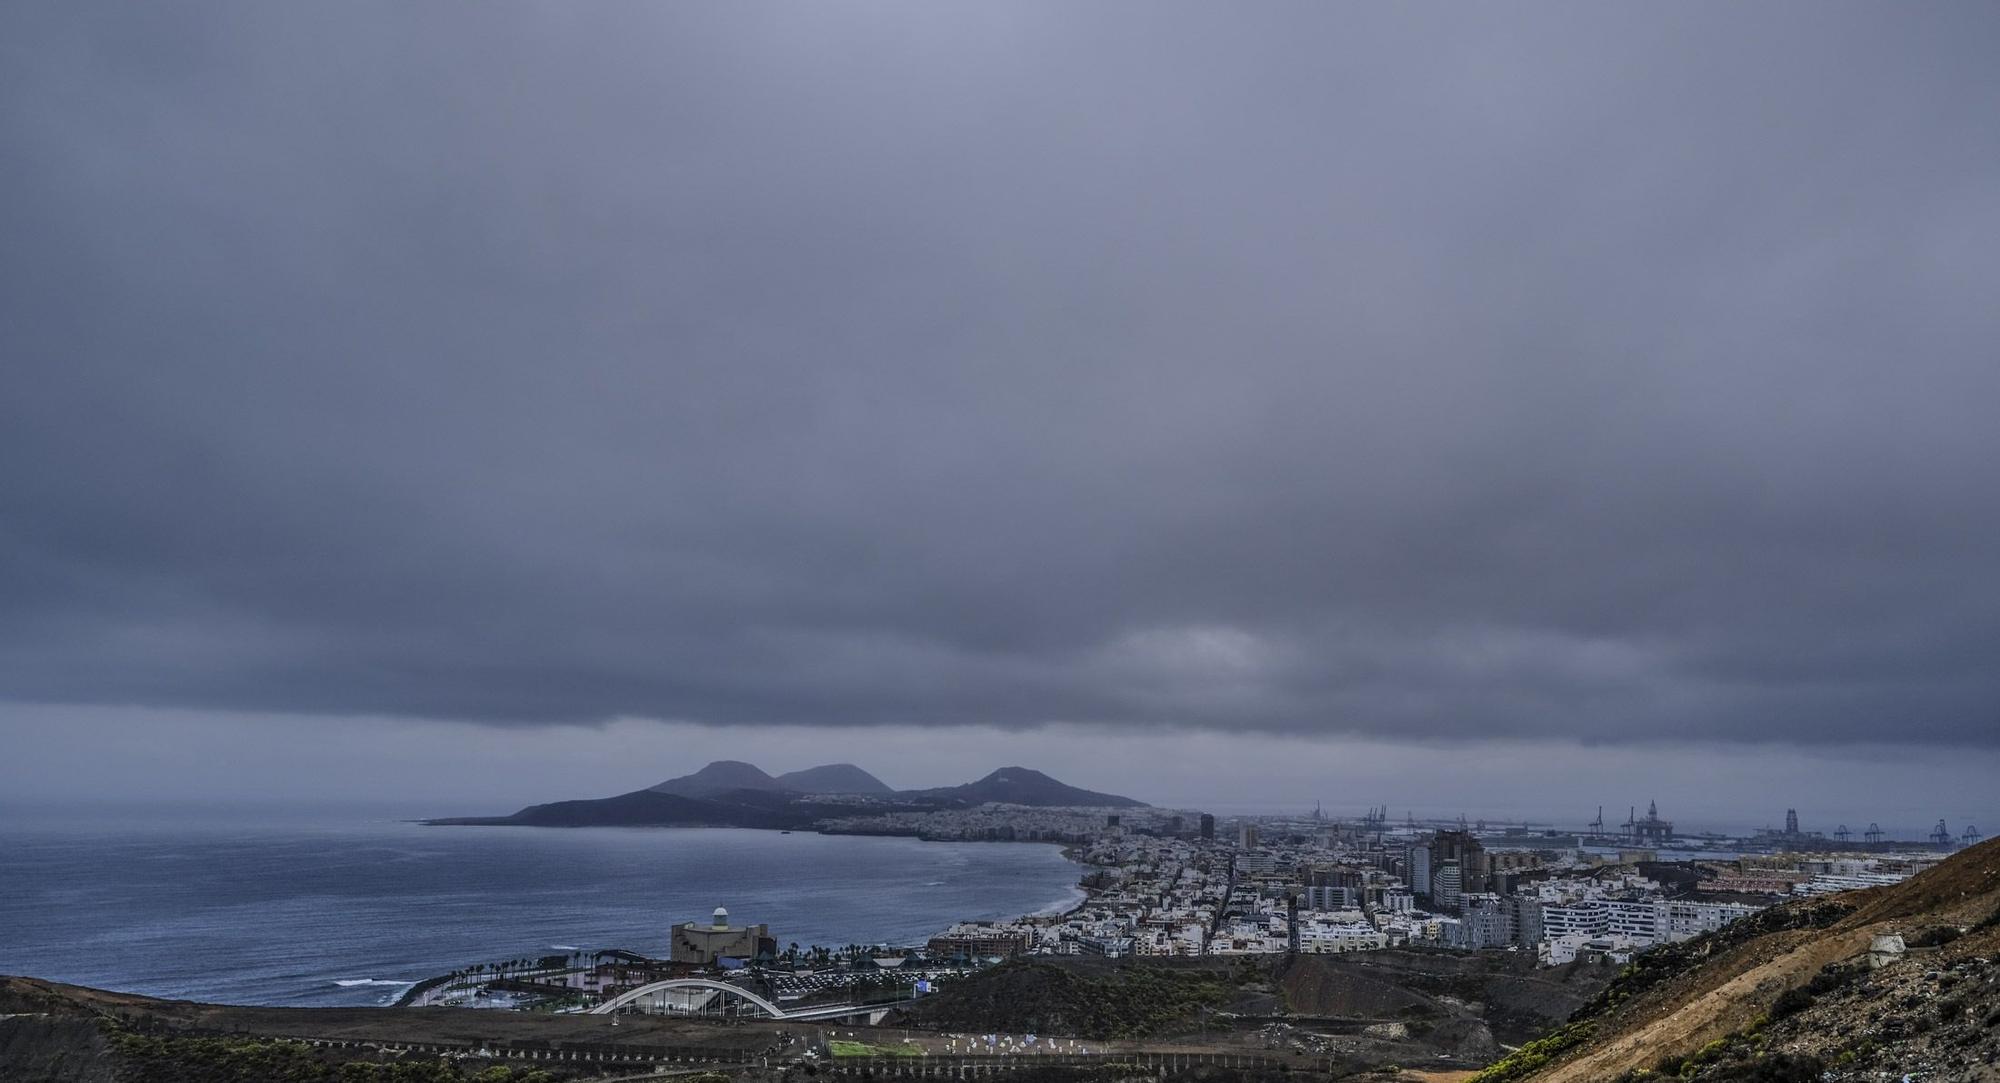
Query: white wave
{"points": [[935, 883], [564, 947], [351, 982], [1063, 905]]}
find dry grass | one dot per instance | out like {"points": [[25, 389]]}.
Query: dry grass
{"points": [[1729, 992]]}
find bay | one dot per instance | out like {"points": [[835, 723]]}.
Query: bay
{"points": [[345, 909]]}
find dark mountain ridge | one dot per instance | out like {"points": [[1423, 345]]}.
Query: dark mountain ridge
{"points": [[730, 793], [724, 776], [833, 778], [721, 776], [1024, 786]]}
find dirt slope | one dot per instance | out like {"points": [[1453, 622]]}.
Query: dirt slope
{"points": [[1729, 985]]}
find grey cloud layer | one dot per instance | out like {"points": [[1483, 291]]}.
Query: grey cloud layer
{"points": [[1578, 372]]}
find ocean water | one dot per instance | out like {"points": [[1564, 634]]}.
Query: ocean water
{"points": [[345, 909]]}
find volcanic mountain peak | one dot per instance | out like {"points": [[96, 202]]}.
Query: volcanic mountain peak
{"points": [[721, 776], [833, 778], [1027, 786]]}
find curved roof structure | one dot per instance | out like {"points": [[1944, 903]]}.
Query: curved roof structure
{"points": [[632, 995]]}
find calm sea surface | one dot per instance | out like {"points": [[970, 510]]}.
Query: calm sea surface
{"points": [[344, 909]]}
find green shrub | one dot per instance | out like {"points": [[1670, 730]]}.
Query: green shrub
{"points": [[160, 1058], [1030, 996], [1795, 1000], [1535, 1055]]}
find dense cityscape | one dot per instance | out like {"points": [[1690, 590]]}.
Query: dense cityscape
{"points": [[1169, 883], [1310, 886]]}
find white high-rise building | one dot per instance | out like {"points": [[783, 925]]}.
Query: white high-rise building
{"points": [[1446, 886]]}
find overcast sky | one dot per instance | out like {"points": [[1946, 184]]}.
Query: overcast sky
{"points": [[910, 380]]}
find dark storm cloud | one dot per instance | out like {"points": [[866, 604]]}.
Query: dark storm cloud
{"points": [[1592, 372]]}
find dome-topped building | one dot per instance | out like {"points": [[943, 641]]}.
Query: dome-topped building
{"points": [[696, 944]]}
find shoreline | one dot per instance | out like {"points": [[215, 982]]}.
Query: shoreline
{"points": [[755, 871], [1079, 897], [1081, 894]]}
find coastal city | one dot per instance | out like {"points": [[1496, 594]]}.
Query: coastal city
{"points": [[1229, 949], [1310, 885], [570, 542], [1163, 883]]}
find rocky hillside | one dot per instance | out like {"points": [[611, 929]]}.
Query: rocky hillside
{"points": [[1796, 993]]}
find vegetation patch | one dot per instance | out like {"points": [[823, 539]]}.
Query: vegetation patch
{"points": [[1125, 1073], [1537, 1054], [1988, 922], [1746, 1068], [1935, 937], [1665, 961], [1793, 1001], [1740, 1057], [1026, 996], [154, 1058]]}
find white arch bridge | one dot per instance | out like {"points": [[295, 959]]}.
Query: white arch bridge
{"points": [[659, 999]]}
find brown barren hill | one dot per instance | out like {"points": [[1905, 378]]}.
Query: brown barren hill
{"points": [[1730, 981]]}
